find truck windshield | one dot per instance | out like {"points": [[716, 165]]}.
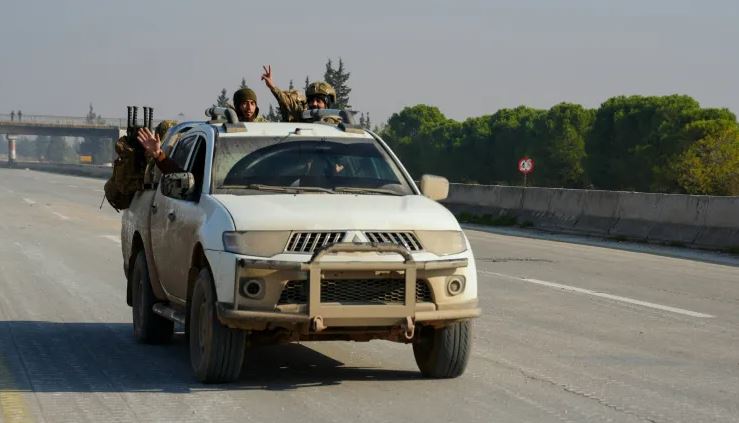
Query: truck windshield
{"points": [[305, 164]]}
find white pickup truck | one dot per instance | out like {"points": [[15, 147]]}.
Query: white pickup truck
{"points": [[281, 232]]}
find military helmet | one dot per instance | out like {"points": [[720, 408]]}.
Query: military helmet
{"points": [[163, 127], [320, 88]]}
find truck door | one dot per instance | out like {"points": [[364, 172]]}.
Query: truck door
{"points": [[175, 222]]}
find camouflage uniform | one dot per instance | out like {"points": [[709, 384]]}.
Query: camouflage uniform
{"points": [[292, 104]]}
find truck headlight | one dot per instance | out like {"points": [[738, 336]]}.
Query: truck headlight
{"points": [[442, 243], [255, 243]]}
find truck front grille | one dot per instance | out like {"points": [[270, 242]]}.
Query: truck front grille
{"points": [[308, 242], [356, 291], [404, 239]]}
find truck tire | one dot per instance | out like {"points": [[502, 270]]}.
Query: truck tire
{"points": [[216, 351], [148, 327], [443, 352]]}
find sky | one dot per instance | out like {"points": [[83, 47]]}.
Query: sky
{"points": [[469, 58]]}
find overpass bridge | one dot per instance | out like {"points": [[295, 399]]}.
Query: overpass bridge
{"points": [[99, 133]]}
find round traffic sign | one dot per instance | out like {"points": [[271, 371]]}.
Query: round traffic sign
{"points": [[526, 165]]}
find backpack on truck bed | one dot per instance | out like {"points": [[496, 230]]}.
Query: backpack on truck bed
{"points": [[128, 175], [130, 165]]}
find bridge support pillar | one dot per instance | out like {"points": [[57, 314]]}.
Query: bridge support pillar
{"points": [[11, 149]]}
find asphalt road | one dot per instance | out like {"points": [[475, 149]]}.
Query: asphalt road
{"points": [[581, 331]]}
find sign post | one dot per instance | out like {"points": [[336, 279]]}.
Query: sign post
{"points": [[525, 166]]}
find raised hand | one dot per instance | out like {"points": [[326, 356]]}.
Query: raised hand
{"points": [[267, 76], [150, 141]]}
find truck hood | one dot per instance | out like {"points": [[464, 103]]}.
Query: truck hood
{"points": [[336, 212]]}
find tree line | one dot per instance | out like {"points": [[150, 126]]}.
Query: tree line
{"points": [[635, 143]]}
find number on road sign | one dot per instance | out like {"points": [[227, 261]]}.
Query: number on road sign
{"points": [[526, 165]]}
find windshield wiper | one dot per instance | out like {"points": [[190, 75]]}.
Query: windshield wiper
{"points": [[279, 188], [314, 189], [262, 187], [367, 190]]}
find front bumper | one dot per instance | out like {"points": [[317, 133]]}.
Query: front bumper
{"points": [[317, 316]]}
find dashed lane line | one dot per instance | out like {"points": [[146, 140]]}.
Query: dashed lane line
{"points": [[60, 216], [113, 238], [575, 289], [29, 201]]}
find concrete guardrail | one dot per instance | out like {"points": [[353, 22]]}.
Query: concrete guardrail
{"points": [[94, 171], [700, 221]]}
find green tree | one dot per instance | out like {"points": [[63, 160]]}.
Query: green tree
{"points": [[711, 165], [42, 147], [408, 132], [307, 82], [512, 135], [243, 83], [59, 151], [633, 138], [338, 78], [273, 115], [559, 145]]}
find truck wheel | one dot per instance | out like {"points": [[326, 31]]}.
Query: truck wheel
{"points": [[216, 351], [148, 327], [443, 352]]}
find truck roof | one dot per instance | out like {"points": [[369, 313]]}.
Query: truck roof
{"points": [[277, 129]]}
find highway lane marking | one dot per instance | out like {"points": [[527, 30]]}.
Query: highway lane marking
{"points": [[61, 216], [29, 201], [113, 238], [569, 288], [12, 405]]}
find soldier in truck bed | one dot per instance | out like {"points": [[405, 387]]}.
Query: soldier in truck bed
{"points": [[318, 95], [245, 104]]}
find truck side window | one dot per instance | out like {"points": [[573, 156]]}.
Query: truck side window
{"points": [[197, 163], [182, 151]]}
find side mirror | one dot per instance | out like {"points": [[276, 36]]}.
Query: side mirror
{"points": [[178, 185], [434, 187]]}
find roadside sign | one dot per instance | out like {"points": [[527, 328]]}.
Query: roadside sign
{"points": [[526, 165]]}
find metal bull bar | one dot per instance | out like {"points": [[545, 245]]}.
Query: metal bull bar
{"points": [[323, 315]]}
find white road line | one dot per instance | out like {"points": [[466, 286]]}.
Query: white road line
{"points": [[73, 186], [29, 201], [61, 216], [602, 295], [113, 238]]}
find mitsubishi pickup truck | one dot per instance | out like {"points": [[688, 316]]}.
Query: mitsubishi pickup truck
{"points": [[285, 232]]}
